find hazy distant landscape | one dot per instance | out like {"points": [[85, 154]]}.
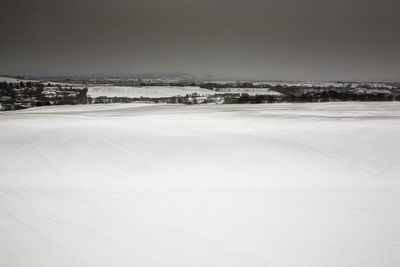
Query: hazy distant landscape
{"points": [[19, 93]]}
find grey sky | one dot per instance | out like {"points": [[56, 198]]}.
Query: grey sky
{"points": [[254, 39]]}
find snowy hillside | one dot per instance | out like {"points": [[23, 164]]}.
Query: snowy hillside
{"points": [[146, 91], [250, 91], [218, 185], [169, 91]]}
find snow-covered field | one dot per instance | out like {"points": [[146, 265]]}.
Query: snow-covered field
{"points": [[168, 91], [250, 91], [221, 185], [146, 91]]}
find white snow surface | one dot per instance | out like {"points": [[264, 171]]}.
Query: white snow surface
{"points": [[250, 91], [211, 185], [146, 91], [168, 91]]}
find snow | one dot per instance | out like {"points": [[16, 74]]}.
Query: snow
{"points": [[146, 91], [372, 91], [209, 185], [169, 91], [250, 91]]}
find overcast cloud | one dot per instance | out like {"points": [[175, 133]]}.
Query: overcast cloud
{"points": [[285, 39]]}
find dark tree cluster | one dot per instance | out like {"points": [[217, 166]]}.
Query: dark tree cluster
{"points": [[256, 99], [332, 95], [32, 94]]}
